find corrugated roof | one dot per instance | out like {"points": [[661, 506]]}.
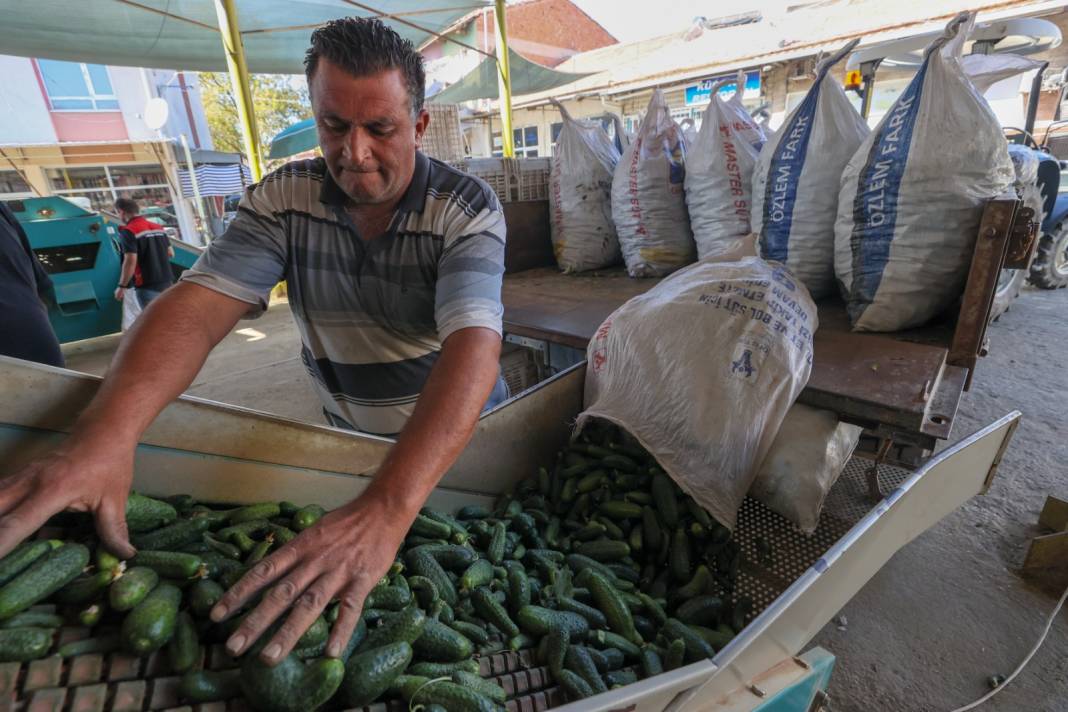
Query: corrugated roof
{"points": [[780, 37]]}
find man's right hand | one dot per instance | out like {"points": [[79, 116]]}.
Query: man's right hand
{"points": [[90, 474]]}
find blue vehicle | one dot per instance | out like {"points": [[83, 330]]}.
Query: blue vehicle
{"points": [[83, 255]]}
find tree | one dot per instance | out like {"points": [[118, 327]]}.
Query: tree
{"points": [[278, 100]]}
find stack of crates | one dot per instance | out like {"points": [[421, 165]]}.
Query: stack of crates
{"points": [[512, 179], [443, 139]]}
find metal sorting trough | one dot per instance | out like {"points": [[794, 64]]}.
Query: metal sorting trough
{"points": [[222, 453]]}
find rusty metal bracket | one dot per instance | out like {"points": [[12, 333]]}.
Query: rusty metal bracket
{"points": [[995, 228], [1022, 240], [872, 474]]}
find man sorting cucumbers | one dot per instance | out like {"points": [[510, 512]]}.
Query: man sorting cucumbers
{"points": [[393, 264]]}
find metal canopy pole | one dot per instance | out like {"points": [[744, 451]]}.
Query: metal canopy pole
{"points": [[504, 82], [235, 61]]}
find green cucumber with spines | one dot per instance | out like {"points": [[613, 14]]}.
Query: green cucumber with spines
{"points": [[145, 513], [424, 564], [42, 578], [493, 612], [667, 506], [204, 686], [87, 646], [132, 587], [150, 625], [454, 697], [291, 685], [33, 619], [18, 645], [307, 516], [537, 621], [578, 661], [432, 670], [185, 531], [248, 513], [575, 688], [595, 617], [368, 675], [23, 556], [477, 574], [482, 686], [697, 648], [170, 564], [183, 649], [440, 643], [406, 625], [610, 602]]}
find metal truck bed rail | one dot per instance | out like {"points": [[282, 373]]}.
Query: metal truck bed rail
{"points": [[220, 453]]}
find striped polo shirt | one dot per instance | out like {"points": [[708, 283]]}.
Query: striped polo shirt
{"points": [[372, 314]]}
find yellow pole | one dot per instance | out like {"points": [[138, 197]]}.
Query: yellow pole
{"points": [[504, 82], [235, 62]]}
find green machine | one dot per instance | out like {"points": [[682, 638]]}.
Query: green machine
{"points": [[82, 254]]}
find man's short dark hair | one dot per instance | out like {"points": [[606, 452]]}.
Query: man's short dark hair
{"points": [[363, 46], [128, 205]]}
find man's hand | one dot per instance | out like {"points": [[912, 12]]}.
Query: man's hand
{"points": [[119, 293], [343, 556], [92, 474]]}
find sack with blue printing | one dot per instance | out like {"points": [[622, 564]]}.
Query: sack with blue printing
{"points": [[648, 205], [702, 369], [580, 196], [797, 177], [719, 170], [912, 196]]}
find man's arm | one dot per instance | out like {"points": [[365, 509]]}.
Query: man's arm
{"points": [[92, 470], [129, 266], [352, 547]]}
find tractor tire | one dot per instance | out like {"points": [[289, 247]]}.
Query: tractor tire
{"points": [[1049, 270], [1009, 285]]}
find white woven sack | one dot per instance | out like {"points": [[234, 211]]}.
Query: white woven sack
{"points": [[797, 177], [648, 205], [701, 369], [912, 196]]}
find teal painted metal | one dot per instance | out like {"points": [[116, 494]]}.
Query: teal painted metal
{"points": [[81, 253], [798, 697]]}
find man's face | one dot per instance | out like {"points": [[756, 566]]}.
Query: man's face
{"points": [[366, 131]]}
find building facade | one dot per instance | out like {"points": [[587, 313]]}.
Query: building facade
{"points": [[79, 130]]}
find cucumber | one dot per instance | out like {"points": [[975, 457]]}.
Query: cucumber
{"points": [[473, 511], [441, 644], [538, 621], [100, 644], [391, 598], [600, 660], [475, 633], [617, 509], [611, 603], [604, 550], [424, 589], [407, 625], [518, 587], [697, 648], [651, 533], [492, 611], [716, 637], [263, 510], [495, 550], [42, 578], [282, 535], [591, 481], [243, 529], [181, 502], [653, 608], [430, 528], [432, 670], [453, 697], [369, 674], [170, 564], [19, 645], [223, 547], [619, 462], [84, 589], [700, 583], [307, 516], [178, 534], [675, 655], [150, 625], [421, 562], [290, 686], [477, 574], [700, 610], [33, 619], [486, 688], [203, 686], [620, 678], [23, 555], [613, 657], [611, 528], [595, 618], [144, 513], [183, 649], [608, 639], [458, 529], [259, 550], [650, 660], [667, 506], [575, 688], [578, 661], [316, 634], [681, 555], [131, 588], [90, 615], [556, 643], [579, 563], [451, 556]]}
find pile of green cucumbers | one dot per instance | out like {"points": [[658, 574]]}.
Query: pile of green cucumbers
{"points": [[601, 565]]}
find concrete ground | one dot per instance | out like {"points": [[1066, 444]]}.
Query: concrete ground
{"points": [[947, 611]]}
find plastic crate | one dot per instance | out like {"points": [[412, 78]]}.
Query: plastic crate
{"points": [[512, 179], [443, 139], [518, 368]]}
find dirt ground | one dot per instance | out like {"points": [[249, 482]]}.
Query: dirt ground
{"points": [[947, 611]]}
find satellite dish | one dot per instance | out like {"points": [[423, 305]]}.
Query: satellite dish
{"points": [[156, 112]]}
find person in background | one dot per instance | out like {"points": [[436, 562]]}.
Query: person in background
{"points": [[147, 253], [25, 290]]}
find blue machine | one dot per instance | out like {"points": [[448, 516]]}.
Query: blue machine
{"points": [[82, 254]]}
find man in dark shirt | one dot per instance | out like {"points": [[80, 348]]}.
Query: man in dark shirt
{"points": [[147, 254], [25, 331]]}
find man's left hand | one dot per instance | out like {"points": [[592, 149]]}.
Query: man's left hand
{"points": [[343, 556]]}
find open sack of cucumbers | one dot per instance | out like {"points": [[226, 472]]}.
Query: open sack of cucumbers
{"points": [[599, 565]]}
